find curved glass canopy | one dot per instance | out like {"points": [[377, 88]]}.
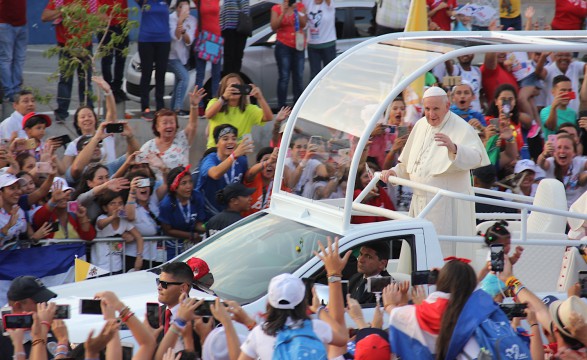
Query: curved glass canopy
{"points": [[338, 111]]}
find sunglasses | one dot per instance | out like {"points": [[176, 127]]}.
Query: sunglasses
{"points": [[165, 284]]}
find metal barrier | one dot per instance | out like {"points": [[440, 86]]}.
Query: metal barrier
{"points": [[146, 239]]}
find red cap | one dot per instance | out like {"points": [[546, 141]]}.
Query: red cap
{"points": [[199, 267], [372, 347], [30, 115]]}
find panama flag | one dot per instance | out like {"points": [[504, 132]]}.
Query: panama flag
{"points": [[84, 270], [53, 264]]}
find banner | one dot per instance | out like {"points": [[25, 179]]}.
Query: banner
{"points": [[53, 264]]}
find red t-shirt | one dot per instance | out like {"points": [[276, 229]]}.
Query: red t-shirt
{"points": [[491, 79], [569, 14], [210, 17], [120, 18], [258, 202], [286, 34], [441, 17], [13, 12], [382, 201], [60, 32]]}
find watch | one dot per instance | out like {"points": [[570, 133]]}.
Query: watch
{"points": [[334, 278]]}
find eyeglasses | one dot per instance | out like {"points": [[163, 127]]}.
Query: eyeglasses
{"points": [[165, 284]]}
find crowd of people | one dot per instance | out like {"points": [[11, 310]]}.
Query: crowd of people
{"points": [[511, 122], [463, 317]]}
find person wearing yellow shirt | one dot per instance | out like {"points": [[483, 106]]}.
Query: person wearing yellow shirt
{"points": [[510, 15]]}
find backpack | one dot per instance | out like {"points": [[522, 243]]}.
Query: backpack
{"points": [[298, 343], [497, 336]]}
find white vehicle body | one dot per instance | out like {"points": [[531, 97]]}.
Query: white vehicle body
{"points": [[245, 256]]}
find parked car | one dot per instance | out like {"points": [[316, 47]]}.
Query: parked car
{"points": [[354, 23]]}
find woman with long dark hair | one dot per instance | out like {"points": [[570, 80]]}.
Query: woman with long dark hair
{"points": [[425, 330]]}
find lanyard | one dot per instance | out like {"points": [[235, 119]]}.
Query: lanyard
{"points": [[232, 171], [297, 20], [186, 216]]}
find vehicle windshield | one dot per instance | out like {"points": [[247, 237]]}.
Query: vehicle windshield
{"points": [[244, 259]]}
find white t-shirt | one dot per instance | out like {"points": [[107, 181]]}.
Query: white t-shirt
{"points": [[146, 227], [570, 180], [11, 124], [574, 72], [473, 77], [260, 345], [307, 174], [18, 228], [103, 254], [321, 19], [522, 67], [108, 149]]}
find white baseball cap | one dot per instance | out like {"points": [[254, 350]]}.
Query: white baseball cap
{"points": [[9, 179], [215, 346], [286, 291], [526, 164]]}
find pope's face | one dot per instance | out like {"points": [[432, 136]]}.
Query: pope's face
{"points": [[435, 108]]}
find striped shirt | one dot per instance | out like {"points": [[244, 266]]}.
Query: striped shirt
{"points": [[229, 13]]}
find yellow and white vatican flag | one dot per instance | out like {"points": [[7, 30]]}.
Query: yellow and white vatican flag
{"points": [[85, 270]]}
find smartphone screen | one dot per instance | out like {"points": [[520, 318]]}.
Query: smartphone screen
{"points": [[17, 321], [514, 310], [72, 206], [115, 128], [154, 315], [62, 312], [127, 351], [583, 282], [497, 257], [377, 284], [204, 309], [90, 307], [54, 226]]}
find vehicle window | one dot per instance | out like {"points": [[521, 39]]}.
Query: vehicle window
{"points": [[341, 16], [261, 14], [363, 22], [244, 259]]}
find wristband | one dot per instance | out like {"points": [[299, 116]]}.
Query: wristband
{"points": [[108, 93], [63, 345], [511, 140], [139, 254], [252, 325], [46, 323], [39, 341], [232, 157], [59, 353], [180, 322], [128, 316], [52, 204], [302, 164], [17, 354], [322, 307], [131, 203]]}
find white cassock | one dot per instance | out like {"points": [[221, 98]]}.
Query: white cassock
{"points": [[424, 161]]}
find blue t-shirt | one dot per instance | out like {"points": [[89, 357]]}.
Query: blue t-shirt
{"points": [[208, 186], [154, 21], [180, 217], [469, 114]]}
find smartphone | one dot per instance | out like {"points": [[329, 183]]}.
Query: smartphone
{"points": [[244, 89], [583, 281], [495, 123], [390, 129], [114, 128], [497, 257], [291, 2], [63, 139], [315, 140], [514, 310], [552, 139], [402, 131], [44, 167], [4, 311], [506, 107], [345, 290], [17, 321], [72, 206], [204, 309], [90, 307], [571, 95], [541, 23], [377, 284], [309, 284], [30, 144], [248, 137], [143, 183], [121, 213], [127, 350], [62, 312], [154, 315], [54, 226], [424, 277]]}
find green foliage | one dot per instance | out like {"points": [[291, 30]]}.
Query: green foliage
{"points": [[83, 27]]}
